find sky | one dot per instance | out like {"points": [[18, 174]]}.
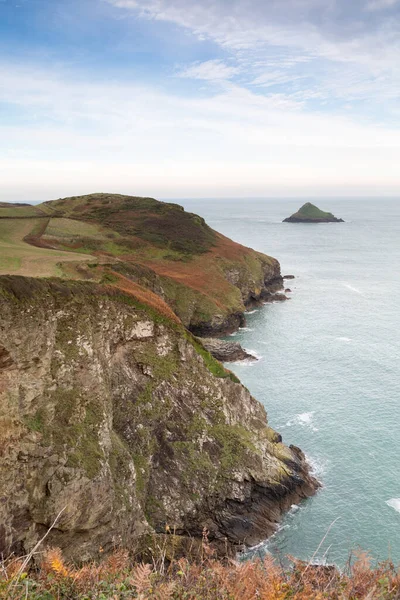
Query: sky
{"points": [[206, 98]]}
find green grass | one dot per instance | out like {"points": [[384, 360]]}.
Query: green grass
{"points": [[20, 211], [310, 211], [162, 224], [17, 257], [10, 263], [69, 228]]}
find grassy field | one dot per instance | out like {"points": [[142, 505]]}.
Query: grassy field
{"points": [[19, 258], [69, 228], [20, 211]]}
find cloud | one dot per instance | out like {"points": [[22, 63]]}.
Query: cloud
{"points": [[79, 135], [291, 40], [375, 5], [300, 95], [210, 70]]}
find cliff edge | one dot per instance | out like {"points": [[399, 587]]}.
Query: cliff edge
{"points": [[111, 412]]}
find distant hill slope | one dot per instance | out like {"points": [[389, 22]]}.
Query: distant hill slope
{"points": [[10, 204], [309, 213], [206, 278]]}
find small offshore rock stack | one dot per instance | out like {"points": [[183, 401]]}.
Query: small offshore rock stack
{"points": [[309, 213]]}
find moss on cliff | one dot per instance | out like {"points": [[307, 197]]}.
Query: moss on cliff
{"points": [[123, 418]]}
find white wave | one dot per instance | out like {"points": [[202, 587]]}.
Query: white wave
{"points": [[250, 312], [343, 339], [318, 466], [304, 419], [245, 329], [247, 362], [254, 353], [354, 289], [394, 503]]}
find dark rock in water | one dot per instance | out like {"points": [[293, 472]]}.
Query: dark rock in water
{"points": [[288, 277], [288, 291], [225, 351], [277, 297], [309, 213]]}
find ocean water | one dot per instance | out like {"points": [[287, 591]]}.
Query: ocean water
{"points": [[329, 369]]}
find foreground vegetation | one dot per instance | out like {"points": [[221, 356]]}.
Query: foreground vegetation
{"points": [[118, 578]]}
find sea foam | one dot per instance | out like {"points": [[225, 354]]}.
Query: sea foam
{"points": [[318, 466], [394, 503], [248, 362], [354, 289], [304, 419]]}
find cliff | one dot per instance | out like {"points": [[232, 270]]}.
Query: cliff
{"points": [[309, 213], [112, 411], [207, 279]]}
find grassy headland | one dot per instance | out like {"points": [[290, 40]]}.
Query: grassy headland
{"points": [[201, 274]]}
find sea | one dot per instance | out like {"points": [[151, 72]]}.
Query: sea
{"points": [[328, 369]]}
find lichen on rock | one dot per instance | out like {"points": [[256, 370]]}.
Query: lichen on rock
{"points": [[113, 414]]}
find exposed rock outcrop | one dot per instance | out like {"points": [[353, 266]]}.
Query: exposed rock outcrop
{"points": [[251, 282], [114, 413], [225, 351]]}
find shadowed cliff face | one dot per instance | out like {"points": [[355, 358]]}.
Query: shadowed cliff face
{"points": [[114, 414]]}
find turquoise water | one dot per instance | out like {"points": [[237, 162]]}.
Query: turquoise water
{"points": [[328, 372]]}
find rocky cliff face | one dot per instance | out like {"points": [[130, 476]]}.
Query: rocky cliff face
{"points": [[255, 280], [246, 283], [115, 415]]}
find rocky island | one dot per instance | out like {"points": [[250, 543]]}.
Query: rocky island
{"points": [[309, 213], [113, 416]]}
